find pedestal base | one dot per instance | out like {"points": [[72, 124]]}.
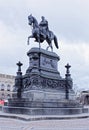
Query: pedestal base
{"points": [[61, 107], [42, 111]]}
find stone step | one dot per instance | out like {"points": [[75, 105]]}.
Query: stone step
{"points": [[43, 104]]}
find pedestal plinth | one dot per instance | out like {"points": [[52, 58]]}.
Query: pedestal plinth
{"points": [[42, 80], [43, 90]]}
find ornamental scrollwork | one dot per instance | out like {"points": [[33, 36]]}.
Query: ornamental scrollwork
{"points": [[45, 83], [26, 82]]}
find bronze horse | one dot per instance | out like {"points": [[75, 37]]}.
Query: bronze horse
{"points": [[39, 35]]}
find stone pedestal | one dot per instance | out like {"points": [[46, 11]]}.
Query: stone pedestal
{"points": [[43, 90], [42, 80]]}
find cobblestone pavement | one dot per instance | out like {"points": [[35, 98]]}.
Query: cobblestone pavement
{"points": [[71, 124]]}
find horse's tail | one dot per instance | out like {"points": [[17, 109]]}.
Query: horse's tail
{"points": [[56, 42]]}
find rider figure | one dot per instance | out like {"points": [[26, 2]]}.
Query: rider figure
{"points": [[44, 27]]}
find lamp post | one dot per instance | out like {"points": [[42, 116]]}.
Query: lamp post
{"points": [[18, 80], [19, 64], [67, 77]]}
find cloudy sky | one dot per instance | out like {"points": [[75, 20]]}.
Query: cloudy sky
{"points": [[68, 19]]}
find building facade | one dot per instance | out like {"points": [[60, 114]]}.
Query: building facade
{"points": [[84, 97], [6, 86]]}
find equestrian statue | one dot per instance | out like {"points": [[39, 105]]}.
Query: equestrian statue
{"points": [[41, 32]]}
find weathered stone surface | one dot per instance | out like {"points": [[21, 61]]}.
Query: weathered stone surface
{"points": [[42, 80], [43, 90], [43, 62]]}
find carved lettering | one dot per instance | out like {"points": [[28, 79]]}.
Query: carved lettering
{"points": [[49, 62]]}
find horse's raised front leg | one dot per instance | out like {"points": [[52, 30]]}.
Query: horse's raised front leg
{"points": [[29, 39]]}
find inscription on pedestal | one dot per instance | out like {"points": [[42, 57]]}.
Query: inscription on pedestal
{"points": [[49, 63]]}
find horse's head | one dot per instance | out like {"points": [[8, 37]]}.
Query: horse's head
{"points": [[30, 19]]}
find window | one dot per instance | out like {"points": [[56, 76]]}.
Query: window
{"points": [[2, 87], [3, 95], [8, 96], [8, 87]]}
